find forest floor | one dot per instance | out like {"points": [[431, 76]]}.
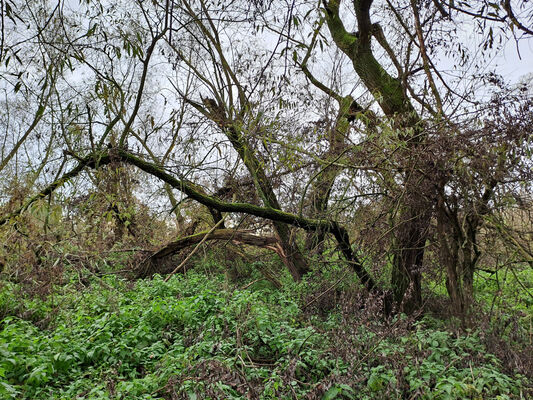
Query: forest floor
{"points": [[213, 334]]}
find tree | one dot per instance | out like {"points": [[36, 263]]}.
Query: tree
{"points": [[318, 112]]}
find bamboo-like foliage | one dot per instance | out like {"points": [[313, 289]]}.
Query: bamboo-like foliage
{"points": [[332, 119]]}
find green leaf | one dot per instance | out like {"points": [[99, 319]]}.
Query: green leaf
{"points": [[332, 393], [9, 390]]}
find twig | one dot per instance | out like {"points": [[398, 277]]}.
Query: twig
{"points": [[195, 249], [327, 290], [132, 250], [251, 283]]}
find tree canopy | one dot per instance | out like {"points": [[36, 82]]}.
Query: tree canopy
{"points": [[377, 129]]}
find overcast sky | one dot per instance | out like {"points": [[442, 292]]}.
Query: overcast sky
{"points": [[511, 66]]}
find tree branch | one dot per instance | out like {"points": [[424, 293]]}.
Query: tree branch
{"points": [[218, 234], [309, 224]]}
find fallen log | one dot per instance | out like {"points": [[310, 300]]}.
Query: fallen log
{"points": [[309, 224], [234, 235]]}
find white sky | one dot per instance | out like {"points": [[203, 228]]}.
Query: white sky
{"points": [[511, 66]]}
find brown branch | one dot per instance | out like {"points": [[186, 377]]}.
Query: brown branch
{"points": [[194, 250], [234, 235], [425, 58], [146, 63], [508, 9], [43, 102]]}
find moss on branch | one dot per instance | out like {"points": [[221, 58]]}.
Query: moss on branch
{"points": [[99, 159]]}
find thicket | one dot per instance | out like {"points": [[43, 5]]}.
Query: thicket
{"points": [[192, 337], [324, 198], [84, 313]]}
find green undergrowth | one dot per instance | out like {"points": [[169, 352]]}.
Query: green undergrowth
{"points": [[508, 287], [195, 337]]}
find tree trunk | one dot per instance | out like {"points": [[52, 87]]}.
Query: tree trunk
{"points": [[233, 235], [291, 255], [392, 99], [325, 178], [458, 253], [407, 263]]}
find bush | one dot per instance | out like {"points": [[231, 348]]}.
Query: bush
{"points": [[191, 338]]}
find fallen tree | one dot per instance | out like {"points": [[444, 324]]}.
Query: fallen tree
{"points": [[233, 235], [101, 158]]}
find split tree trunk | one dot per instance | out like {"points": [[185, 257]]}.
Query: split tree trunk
{"points": [[291, 254], [396, 105]]}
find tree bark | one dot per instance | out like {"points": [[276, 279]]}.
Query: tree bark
{"points": [[291, 255], [219, 234], [391, 96]]}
